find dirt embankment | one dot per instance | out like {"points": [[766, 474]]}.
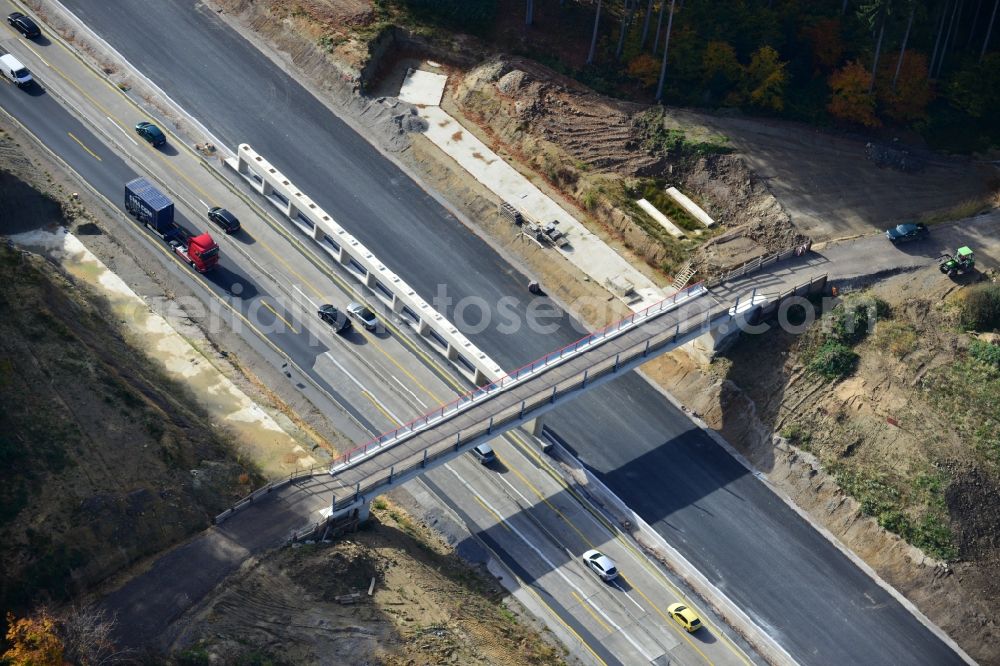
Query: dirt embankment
{"points": [[900, 434], [302, 605], [97, 447], [603, 154]]}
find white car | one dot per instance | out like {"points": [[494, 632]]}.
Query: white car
{"points": [[364, 316], [601, 564]]}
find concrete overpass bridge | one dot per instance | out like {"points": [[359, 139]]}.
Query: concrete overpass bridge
{"points": [[700, 313]]}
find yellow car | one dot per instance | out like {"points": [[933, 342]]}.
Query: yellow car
{"points": [[685, 617]]}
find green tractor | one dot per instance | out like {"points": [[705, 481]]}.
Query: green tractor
{"points": [[963, 262]]}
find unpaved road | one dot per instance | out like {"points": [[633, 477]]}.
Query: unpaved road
{"points": [[831, 190]]}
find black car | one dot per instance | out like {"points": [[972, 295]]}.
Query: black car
{"points": [[224, 219], [151, 133], [907, 232], [334, 317], [24, 25]]}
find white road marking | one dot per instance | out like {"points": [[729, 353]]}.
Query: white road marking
{"points": [[204, 204], [302, 293], [552, 566], [406, 388], [363, 388], [37, 55], [122, 130]]}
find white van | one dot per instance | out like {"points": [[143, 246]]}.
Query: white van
{"points": [[15, 71]]}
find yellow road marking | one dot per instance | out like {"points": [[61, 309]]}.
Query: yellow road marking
{"points": [[586, 606], [379, 407], [639, 556], [493, 513], [92, 153], [531, 590], [275, 313]]}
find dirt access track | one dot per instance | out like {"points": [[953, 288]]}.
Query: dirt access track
{"points": [[828, 187]]}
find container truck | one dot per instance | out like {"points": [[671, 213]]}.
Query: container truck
{"points": [[154, 210]]}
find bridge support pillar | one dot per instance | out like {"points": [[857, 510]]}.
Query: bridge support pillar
{"points": [[534, 426]]}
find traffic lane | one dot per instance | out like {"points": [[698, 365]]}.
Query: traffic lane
{"points": [[642, 593], [336, 167], [817, 603], [525, 564], [107, 172], [621, 609]]}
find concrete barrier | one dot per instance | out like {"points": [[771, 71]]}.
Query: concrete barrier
{"points": [[359, 262], [693, 209]]}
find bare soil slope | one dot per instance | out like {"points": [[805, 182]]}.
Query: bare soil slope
{"points": [[301, 605]]}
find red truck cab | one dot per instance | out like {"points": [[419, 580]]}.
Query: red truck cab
{"points": [[201, 252]]}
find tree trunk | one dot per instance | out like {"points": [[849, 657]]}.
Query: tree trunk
{"points": [[630, 6], [659, 24], [878, 52], [593, 39], [843, 8], [947, 36], [529, 12], [666, 49], [902, 49], [645, 25], [937, 40], [989, 30], [972, 30]]}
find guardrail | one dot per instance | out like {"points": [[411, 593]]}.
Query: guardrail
{"points": [[458, 405], [756, 264], [266, 490]]}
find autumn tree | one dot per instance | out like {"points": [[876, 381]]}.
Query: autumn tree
{"points": [[645, 68], [721, 70], [826, 44], [850, 99], [33, 641], [764, 80], [908, 99]]}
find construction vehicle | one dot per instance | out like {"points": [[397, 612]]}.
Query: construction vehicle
{"points": [[546, 235], [154, 210], [962, 262]]}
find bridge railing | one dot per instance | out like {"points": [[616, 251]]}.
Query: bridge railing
{"points": [[267, 489], [756, 264], [450, 409], [514, 414]]}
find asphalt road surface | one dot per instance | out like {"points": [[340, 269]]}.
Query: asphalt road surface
{"points": [[816, 603]]}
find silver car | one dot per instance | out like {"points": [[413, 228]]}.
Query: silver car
{"points": [[601, 564], [364, 316]]}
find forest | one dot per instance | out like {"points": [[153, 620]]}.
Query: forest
{"points": [[921, 70]]}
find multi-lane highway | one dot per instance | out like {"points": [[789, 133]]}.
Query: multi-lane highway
{"points": [[811, 598], [528, 518]]}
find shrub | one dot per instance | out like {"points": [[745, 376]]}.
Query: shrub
{"points": [[980, 309], [833, 360], [854, 320], [984, 352]]}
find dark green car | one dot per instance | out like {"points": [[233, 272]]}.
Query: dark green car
{"points": [[151, 133], [907, 232]]}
